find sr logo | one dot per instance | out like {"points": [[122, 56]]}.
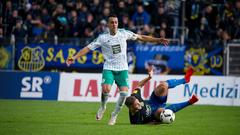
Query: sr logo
{"points": [[32, 86]]}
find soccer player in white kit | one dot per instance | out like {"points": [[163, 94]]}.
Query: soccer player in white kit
{"points": [[114, 48]]}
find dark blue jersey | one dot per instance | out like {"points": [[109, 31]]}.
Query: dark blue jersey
{"points": [[143, 116]]}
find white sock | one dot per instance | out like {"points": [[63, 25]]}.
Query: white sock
{"points": [[104, 99], [120, 102]]}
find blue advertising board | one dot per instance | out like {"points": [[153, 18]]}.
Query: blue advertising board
{"points": [[205, 61], [161, 57], [37, 57], [29, 85], [171, 59]]}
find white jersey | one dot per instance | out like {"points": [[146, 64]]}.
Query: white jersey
{"points": [[114, 48]]}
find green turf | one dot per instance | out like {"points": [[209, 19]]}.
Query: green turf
{"points": [[25, 117]]}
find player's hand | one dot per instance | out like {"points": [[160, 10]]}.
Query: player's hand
{"points": [[163, 41], [150, 71], [69, 61]]}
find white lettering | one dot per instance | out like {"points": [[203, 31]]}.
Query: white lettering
{"points": [[36, 84], [31, 87], [26, 84]]}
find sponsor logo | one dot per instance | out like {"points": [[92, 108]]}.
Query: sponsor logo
{"points": [[32, 86], [218, 91], [92, 88], [31, 59], [148, 110], [116, 49], [89, 88]]}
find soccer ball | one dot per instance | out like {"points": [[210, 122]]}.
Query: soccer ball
{"points": [[167, 116]]}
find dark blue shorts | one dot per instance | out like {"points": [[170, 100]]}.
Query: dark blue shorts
{"points": [[157, 102]]}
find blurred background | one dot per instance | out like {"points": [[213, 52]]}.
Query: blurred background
{"points": [[39, 35]]}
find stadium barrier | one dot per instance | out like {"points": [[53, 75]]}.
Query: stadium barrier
{"points": [[86, 87], [29, 85], [211, 90]]}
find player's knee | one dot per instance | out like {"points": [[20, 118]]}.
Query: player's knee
{"points": [[106, 88], [161, 89]]}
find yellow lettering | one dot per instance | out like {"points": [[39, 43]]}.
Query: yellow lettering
{"points": [[82, 59], [71, 52], [220, 62], [59, 55], [216, 61], [50, 54], [97, 57], [213, 61]]}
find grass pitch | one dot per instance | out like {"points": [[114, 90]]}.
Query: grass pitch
{"points": [[32, 117]]}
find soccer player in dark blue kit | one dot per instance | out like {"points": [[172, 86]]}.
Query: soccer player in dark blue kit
{"points": [[144, 112]]}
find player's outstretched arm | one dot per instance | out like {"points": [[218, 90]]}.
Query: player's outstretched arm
{"points": [[150, 74], [145, 38], [82, 52]]}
